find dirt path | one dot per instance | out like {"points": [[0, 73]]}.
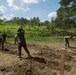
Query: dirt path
{"points": [[45, 60]]}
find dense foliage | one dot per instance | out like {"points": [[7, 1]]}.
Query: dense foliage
{"points": [[66, 14], [65, 21]]}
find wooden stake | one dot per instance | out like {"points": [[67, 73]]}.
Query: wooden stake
{"points": [[62, 61]]}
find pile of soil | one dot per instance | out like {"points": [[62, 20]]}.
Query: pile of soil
{"points": [[45, 61]]}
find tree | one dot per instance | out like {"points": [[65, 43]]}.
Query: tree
{"points": [[53, 25], [35, 21], [47, 24], [66, 14]]}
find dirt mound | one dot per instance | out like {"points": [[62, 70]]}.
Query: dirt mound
{"points": [[45, 61]]}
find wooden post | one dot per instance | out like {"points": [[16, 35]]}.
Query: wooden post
{"points": [[62, 61]]}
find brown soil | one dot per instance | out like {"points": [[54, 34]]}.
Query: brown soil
{"points": [[45, 60]]}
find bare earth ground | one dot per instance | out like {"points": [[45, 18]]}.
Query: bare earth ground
{"points": [[45, 60]]}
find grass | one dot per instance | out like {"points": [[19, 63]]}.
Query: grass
{"points": [[41, 39], [45, 39], [32, 34]]}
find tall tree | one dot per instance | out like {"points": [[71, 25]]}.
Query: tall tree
{"points": [[35, 21], [66, 14], [47, 24]]}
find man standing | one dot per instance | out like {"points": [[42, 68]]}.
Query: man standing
{"points": [[22, 42], [1, 43], [4, 37]]}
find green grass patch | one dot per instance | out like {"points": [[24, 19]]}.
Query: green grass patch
{"points": [[35, 34]]}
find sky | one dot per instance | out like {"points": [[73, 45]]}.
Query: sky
{"points": [[44, 9]]}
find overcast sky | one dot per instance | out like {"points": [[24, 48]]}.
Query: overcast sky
{"points": [[44, 9]]}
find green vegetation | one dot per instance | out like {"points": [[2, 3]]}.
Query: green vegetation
{"points": [[66, 14], [49, 31], [34, 34]]}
